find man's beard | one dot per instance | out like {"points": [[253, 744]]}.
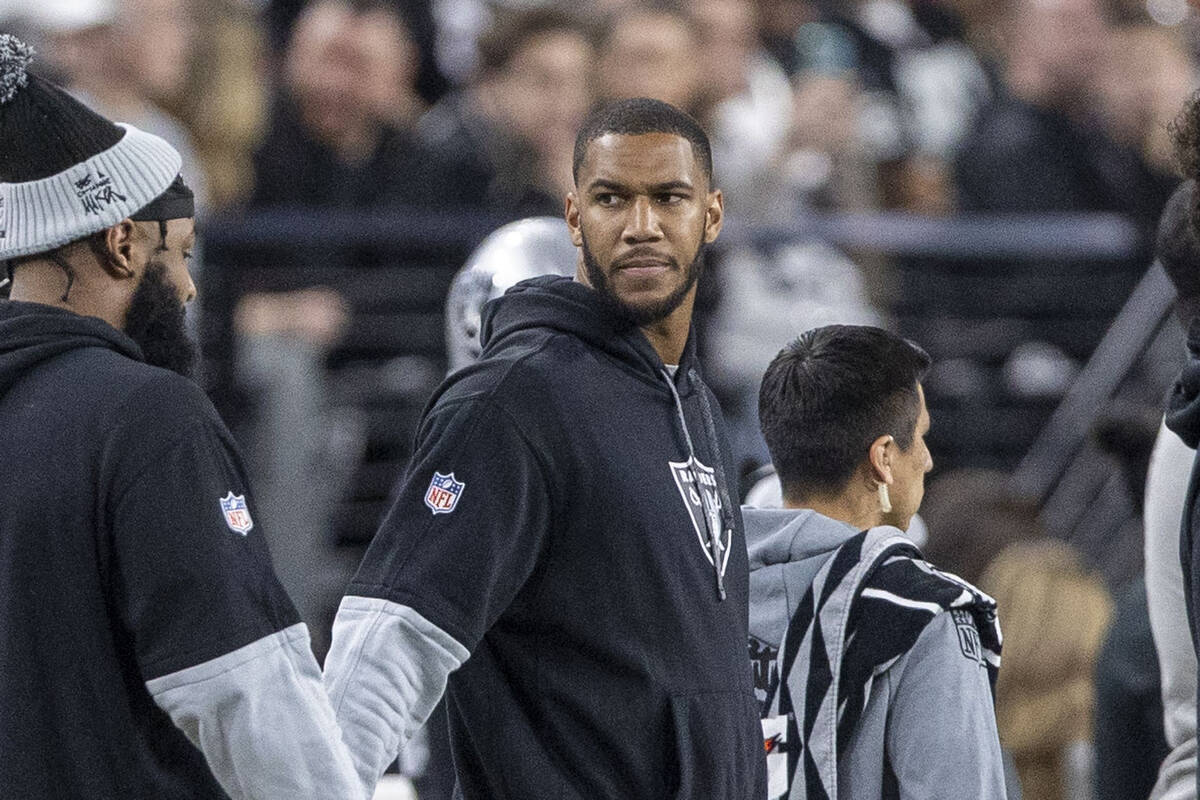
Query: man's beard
{"points": [[156, 320], [642, 315]]}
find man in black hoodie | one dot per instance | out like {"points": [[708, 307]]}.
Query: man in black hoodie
{"points": [[563, 556], [148, 650]]}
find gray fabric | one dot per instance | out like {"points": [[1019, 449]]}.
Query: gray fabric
{"points": [[931, 712], [397, 662], [262, 719], [1166, 490]]}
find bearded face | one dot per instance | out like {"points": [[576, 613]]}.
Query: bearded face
{"points": [[156, 320]]}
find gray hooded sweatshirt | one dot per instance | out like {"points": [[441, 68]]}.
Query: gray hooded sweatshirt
{"points": [[873, 669]]}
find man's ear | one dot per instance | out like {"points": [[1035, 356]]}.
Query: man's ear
{"points": [[571, 214], [880, 459], [714, 215], [118, 252]]}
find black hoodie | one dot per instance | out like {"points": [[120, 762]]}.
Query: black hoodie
{"points": [[117, 566], [549, 523]]}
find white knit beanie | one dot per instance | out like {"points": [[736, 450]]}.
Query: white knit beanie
{"points": [[65, 171]]}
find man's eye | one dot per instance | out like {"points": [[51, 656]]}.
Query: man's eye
{"points": [[670, 199], [607, 199]]}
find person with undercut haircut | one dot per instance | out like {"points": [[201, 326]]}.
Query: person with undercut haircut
{"points": [[146, 648], [874, 670]]}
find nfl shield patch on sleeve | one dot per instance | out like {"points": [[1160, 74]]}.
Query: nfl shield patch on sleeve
{"points": [[237, 514], [443, 493]]}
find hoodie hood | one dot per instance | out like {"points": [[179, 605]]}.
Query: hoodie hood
{"points": [[565, 305], [1183, 402], [31, 334], [789, 536]]}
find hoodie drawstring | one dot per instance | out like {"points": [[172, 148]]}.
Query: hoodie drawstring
{"points": [[711, 515]]}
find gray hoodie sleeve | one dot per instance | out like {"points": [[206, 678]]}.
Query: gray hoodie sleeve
{"points": [[261, 717], [385, 672], [933, 709]]}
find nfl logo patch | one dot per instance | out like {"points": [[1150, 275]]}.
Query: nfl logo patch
{"points": [[443, 493], [237, 515]]}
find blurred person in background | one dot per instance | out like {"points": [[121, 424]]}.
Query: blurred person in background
{"points": [[1039, 145], [1145, 75], [224, 98], [121, 57], [501, 143], [341, 130], [1178, 250], [652, 49], [1056, 614], [925, 86], [972, 515], [821, 162], [886, 663], [745, 97]]}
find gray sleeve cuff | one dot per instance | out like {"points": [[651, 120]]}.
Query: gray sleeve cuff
{"points": [[385, 672], [261, 717]]}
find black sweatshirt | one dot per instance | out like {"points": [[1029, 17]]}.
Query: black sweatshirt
{"points": [[146, 648], [549, 533]]}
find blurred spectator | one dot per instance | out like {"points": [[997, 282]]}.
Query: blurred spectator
{"points": [[972, 515], [652, 49], [1038, 146], [831, 154], [1054, 615], [223, 100], [279, 18], [745, 99], [503, 143], [341, 131], [341, 137], [120, 57], [1145, 77], [925, 86]]}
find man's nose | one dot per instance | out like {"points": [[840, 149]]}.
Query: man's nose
{"points": [[642, 224]]}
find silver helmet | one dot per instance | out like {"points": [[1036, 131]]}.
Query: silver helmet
{"points": [[519, 250]]}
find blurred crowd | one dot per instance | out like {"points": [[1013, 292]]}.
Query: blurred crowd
{"points": [[935, 108], [930, 106]]}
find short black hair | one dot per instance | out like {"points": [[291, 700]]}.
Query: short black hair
{"points": [[637, 116], [831, 393]]}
